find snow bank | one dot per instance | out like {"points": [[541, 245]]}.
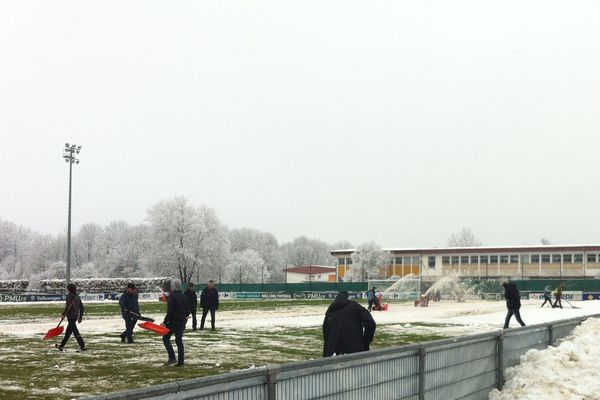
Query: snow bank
{"points": [[566, 372]]}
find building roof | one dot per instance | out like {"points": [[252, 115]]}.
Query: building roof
{"points": [[311, 269], [483, 249]]}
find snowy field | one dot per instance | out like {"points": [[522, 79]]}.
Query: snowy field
{"points": [[244, 338]]}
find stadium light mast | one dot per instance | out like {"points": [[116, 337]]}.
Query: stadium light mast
{"points": [[68, 155]]}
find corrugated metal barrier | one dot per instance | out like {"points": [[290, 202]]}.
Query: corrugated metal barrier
{"points": [[464, 368]]}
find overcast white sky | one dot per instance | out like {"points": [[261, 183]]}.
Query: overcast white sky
{"points": [[393, 121]]}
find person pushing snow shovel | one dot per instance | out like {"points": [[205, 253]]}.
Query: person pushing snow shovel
{"points": [[74, 314], [130, 310]]}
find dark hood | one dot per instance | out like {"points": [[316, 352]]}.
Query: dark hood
{"points": [[339, 303]]}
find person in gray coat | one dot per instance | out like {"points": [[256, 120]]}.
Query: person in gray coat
{"points": [[73, 312]]}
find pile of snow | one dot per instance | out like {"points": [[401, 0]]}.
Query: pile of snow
{"points": [[569, 371]]}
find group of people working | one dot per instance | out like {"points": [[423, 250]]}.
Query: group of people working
{"points": [[180, 307]]}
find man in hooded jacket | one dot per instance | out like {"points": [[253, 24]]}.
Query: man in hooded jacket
{"points": [[513, 303], [348, 327], [178, 310]]}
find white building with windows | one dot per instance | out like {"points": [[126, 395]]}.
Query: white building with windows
{"points": [[516, 262], [310, 273]]}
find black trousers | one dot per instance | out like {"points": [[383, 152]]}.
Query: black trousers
{"points": [[371, 302], [129, 325], [177, 328], [510, 313], [194, 320], [212, 317], [557, 302], [547, 299], [72, 329]]}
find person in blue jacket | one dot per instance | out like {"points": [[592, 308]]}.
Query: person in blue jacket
{"points": [[130, 310], [513, 303]]}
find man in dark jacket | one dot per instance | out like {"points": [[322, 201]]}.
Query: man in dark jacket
{"points": [[348, 327], [209, 301], [73, 312], [371, 298], [177, 314], [190, 293], [130, 310], [513, 303], [547, 296]]}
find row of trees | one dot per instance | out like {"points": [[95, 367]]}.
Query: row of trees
{"points": [[177, 239]]}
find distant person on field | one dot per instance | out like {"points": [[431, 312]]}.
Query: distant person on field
{"points": [[177, 314], [547, 296], [209, 301], [130, 310], [73, 312], [192, 298], [371, 298], [347, 328], [513, 303], [558, 295]]}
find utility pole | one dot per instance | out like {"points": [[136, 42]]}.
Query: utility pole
{"points": [[70, 158]]}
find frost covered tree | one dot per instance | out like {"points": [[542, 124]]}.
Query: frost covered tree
{"points": [[186, 239], [304, 251], [367, 259], [265, 244], [246, 266], [464, 238], [86, 241], [16, 247]]}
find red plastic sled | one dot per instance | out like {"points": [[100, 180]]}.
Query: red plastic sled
{"points": [[151, 326]]}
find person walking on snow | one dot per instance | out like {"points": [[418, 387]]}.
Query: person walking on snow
{"points": [[513, 303], [558, 295], [130, 310], [348, 327], [371, 298], [73, 312], [547, 296], [177, 314], [209, 301], [192, 299]]}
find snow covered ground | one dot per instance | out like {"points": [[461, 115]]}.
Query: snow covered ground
{"points": [[460, 318], [567, 372]]}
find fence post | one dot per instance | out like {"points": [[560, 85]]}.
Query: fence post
{"points": [[272, 372], [421, 372], [550, 335], [500, 360]]}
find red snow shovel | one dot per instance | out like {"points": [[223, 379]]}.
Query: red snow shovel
{"points": [[59, 329], [151, 326], [55, 331]]}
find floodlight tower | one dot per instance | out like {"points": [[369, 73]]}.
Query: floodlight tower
{"points": [[68, 155]]}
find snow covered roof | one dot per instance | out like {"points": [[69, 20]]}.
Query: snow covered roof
{"points": [[483, 249], [311, 269]]}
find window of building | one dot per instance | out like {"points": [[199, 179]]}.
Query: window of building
{"points": [[464, 259], [535, 258], [567, 258], [348, 261], [483, 259], [556, 258], [493, 259], [398, 260], [525, 259], [407, 260], [431, 261], [341, 261], [578, 258], [445, 260], [545, 258], [514, 259], [473, 259], [454, 259], [503, 259], [591, 258]]}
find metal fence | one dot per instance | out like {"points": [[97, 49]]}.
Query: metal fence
{"points": [[464, 368]]}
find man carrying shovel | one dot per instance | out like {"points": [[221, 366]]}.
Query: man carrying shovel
{"points": [[130, 310], [73, 313]]}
